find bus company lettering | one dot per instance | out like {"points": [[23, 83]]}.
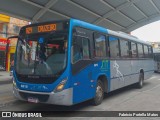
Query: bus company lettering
{"points": [[47, 28], [104, 64]]}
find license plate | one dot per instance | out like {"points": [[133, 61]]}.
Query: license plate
{"points": [[33, 100]]}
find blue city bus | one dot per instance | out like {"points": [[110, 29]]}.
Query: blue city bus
{"points": [[71, 61]]}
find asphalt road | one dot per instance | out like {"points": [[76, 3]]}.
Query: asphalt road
{"points": [[126, 99]]}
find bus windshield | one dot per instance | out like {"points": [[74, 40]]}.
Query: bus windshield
{"points": [[41, 54]]}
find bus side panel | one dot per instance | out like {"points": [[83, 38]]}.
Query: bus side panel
{"points": [[145, 64], [126, 72], [148, 68], [84, 82], [135, 66], [120, 73], [83, 88]]}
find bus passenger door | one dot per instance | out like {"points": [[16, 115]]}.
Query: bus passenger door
{"points": [[81, 70]]}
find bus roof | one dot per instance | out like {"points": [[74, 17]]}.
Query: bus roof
{"points": [[127, 36], [110, 32], [75, 22]]}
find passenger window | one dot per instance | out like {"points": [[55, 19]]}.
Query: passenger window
{"points": [[134, 49], [85, 43], [80, 49], [100, 45], [124, 48], [150, 51], [114, 47], [140, 50], [146, 51]]}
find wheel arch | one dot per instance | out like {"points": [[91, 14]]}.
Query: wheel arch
{"points": [[103, 78]]}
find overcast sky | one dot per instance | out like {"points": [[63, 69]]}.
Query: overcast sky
{"points": [[150, 32]]}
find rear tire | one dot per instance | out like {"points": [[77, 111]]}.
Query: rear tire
{"points": [[99, 94], [141, 81]]}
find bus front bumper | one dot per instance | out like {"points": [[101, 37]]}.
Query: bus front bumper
{"points": [[64, 97]]}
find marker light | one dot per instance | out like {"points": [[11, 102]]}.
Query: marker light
{"points": [[61, 85]]}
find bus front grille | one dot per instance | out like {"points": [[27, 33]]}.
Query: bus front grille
{"points": [[41, 98], [37, 80]]}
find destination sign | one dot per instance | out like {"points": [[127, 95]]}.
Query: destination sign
{"points": [[47, 28], [44, 28]]}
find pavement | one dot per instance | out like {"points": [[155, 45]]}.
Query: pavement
{"points": [[5, 77], [126, 99]]}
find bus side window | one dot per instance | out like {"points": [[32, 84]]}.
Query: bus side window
{"points": [[80, 49], [100, 45], [140, 51], [150, 51], [86, 54], [114, 47], [134, 49], [146, 51], [124, 48]]}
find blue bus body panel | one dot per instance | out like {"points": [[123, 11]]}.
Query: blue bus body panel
{"points": [[40, 87], [46, 87], [84, 83]]}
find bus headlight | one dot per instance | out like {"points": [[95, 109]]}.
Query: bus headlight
{"points": [[14, 83], [61, 85]]}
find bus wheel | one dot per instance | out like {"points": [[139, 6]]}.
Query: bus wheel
{"points": [[141, 81], [99, 94]]}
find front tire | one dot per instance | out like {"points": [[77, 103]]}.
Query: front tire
{"points": [[99, 95]]}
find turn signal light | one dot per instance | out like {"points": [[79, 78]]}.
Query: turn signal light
{"points": [[61, 85]]}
